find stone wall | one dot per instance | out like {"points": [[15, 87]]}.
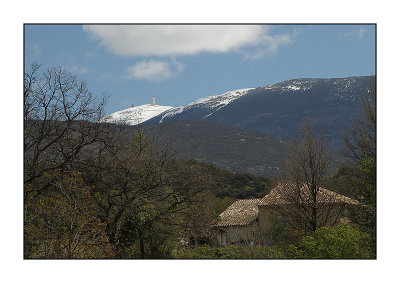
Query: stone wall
{"points": [[238, 235]]}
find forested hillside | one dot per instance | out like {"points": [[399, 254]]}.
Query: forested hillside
{"points": [[228, 148]]}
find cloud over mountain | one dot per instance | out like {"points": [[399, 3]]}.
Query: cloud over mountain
{"points": [[177, 40]]}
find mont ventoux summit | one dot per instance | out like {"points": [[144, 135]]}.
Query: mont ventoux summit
{"points": [[247, 130]]}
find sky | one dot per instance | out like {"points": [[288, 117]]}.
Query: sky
{"points": [[181, 63]]}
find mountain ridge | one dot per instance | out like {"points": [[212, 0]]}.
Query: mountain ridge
{"points": [[330, 104], [279, 109]]}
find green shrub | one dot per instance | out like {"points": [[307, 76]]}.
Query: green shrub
{"points": [[342, 242], [231, 252], [279, 232]]}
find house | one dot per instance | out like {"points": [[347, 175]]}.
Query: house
{"points": [[238, 224], [245, 221]]}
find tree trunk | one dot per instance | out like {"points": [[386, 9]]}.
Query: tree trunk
{"points": [[314, 218], [314, 191], [141, 244]]}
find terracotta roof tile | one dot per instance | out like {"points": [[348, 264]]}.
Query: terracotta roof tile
{"points": [[281, 194], [241, 212], [245, 211]]}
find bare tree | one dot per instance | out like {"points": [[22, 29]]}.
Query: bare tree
{"points": [[60, 116], [305, 169]]}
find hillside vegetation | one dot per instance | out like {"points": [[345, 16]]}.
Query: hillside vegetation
{"points": [[228, 148]]}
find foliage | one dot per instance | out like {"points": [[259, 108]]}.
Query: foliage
{"points": [[236, 185], [141, 239], [364, 216], [367, 190], [280, 232], [232, 252], [242, 186], [232, 185], [149, 199], [345, 181], [154, 235], [64, 223], [361, 148], [222, 204], [342, 242]]}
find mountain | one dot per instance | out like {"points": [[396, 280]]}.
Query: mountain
{"points": [[226, 147], [136, 115], [209, 105], [277, 110]]}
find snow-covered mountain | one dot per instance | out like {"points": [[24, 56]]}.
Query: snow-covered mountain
{"points": [[230, 106], [135, 115], [277, 110], [212, 103], [139, 114]]}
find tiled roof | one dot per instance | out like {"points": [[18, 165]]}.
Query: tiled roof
{"points": [[241, 212], [245, 211], [283, 193]]}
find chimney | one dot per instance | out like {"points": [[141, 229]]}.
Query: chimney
{"points": [[154, 100]]}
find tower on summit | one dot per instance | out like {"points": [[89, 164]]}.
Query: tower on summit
{"points": [[154, 100]]}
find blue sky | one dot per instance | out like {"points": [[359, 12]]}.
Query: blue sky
{"points": [[181, 63]]}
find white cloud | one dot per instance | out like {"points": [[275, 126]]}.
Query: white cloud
{"points": [[270, 46], [178, 40], [274, 42], [152, 70]]}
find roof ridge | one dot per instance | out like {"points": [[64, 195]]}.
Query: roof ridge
{"points": [[275, 196]]}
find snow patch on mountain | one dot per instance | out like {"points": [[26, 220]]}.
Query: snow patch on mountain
{"points": [[135, 115], [215, 102], [344, 89], [297, 85]]}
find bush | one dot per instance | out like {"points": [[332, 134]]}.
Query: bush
{"points": [[279, 232], [342, 242], [231, 252]]}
